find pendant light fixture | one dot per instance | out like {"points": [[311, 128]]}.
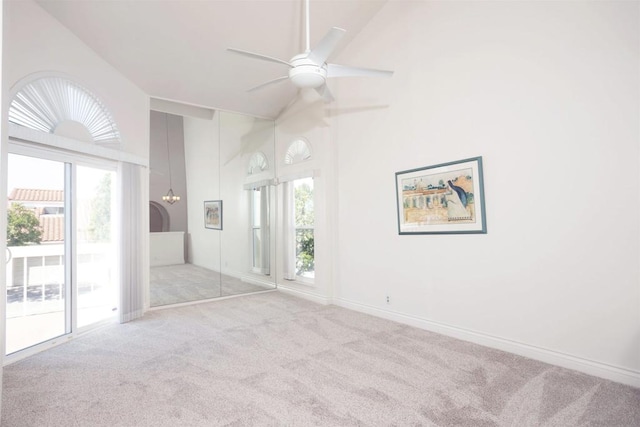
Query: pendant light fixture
{"points": [[170, 197]]}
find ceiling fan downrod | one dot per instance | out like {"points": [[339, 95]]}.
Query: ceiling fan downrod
{"points": [[306, 12]]}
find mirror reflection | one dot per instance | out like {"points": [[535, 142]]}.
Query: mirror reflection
{"points": [[216, 239], [247, 154]]}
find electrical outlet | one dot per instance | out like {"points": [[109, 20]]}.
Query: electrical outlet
{"points": [[388, 300]]}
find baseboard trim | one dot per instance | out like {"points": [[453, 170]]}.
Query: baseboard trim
{"points": [[320, 299], [590, 367], [257, 281]]}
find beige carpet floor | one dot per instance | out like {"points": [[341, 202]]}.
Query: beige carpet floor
{"points": [[274, 360]]}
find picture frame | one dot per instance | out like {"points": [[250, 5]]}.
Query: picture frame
{"points": [[213, 214], [447, 198]]}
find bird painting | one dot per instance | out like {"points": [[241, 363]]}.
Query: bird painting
{"points": [[462, 195]]}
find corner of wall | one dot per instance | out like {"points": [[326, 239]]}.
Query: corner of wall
{"points": [[308, 295]]}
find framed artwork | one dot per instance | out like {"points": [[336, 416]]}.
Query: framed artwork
{"points": [[213, 214], [442, 199]]}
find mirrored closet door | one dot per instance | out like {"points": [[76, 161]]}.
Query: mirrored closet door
{"points": [[216, 239]]}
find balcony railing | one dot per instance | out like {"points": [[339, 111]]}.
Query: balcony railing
{"points": [[36, 280]]}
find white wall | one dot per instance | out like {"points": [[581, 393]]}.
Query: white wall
{"points": [[202, 154], [547, 93]]}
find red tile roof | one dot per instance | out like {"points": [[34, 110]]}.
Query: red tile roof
{"points": [[36, 195], [52, 228]]}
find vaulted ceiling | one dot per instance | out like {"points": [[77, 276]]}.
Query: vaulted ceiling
{"points": [[176, 49]]}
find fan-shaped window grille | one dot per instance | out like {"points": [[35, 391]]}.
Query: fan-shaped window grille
{"points": [[48, 102], [298, 151], [257, 163]]}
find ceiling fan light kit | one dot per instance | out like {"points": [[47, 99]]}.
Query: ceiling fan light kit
{"points": [[307, 74], [309, 70]]}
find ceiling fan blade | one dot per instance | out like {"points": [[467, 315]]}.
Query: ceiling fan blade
{"points": [[321, 52], [270, 82], [325, 93], [335, 70], [258, 56]]}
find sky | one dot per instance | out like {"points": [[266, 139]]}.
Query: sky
{"points": [[32, 172]]}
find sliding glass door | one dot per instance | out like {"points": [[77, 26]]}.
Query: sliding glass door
{"points": [[37, 285], [61, 266]]}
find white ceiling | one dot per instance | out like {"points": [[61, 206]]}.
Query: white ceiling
{"points": [[176, 49]]}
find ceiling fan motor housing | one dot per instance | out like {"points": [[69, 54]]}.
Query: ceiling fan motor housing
{"points": [[305, 73]]}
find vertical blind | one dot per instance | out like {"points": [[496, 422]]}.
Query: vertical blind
{"points": [[132, 264]]}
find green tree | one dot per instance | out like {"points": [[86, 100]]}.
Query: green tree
{"points": [[23, 226], [100, 216], [304, 205], [305, 260]]}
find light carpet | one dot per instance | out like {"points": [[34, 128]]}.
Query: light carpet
{"points": [[173, 284], [271, 359]]}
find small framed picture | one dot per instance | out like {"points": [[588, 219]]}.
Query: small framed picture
{"points": [[442, 199], [213, 214]]}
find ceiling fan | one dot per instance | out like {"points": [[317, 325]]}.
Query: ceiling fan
{"points": [[310, 69]]}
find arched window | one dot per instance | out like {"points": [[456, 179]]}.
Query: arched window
{"points": [[59, 105], [257, 163], [298, 151]]}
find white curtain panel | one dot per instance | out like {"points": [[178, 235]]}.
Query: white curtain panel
{"points": [[289, 231], [131, 242], [264, 230]]}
